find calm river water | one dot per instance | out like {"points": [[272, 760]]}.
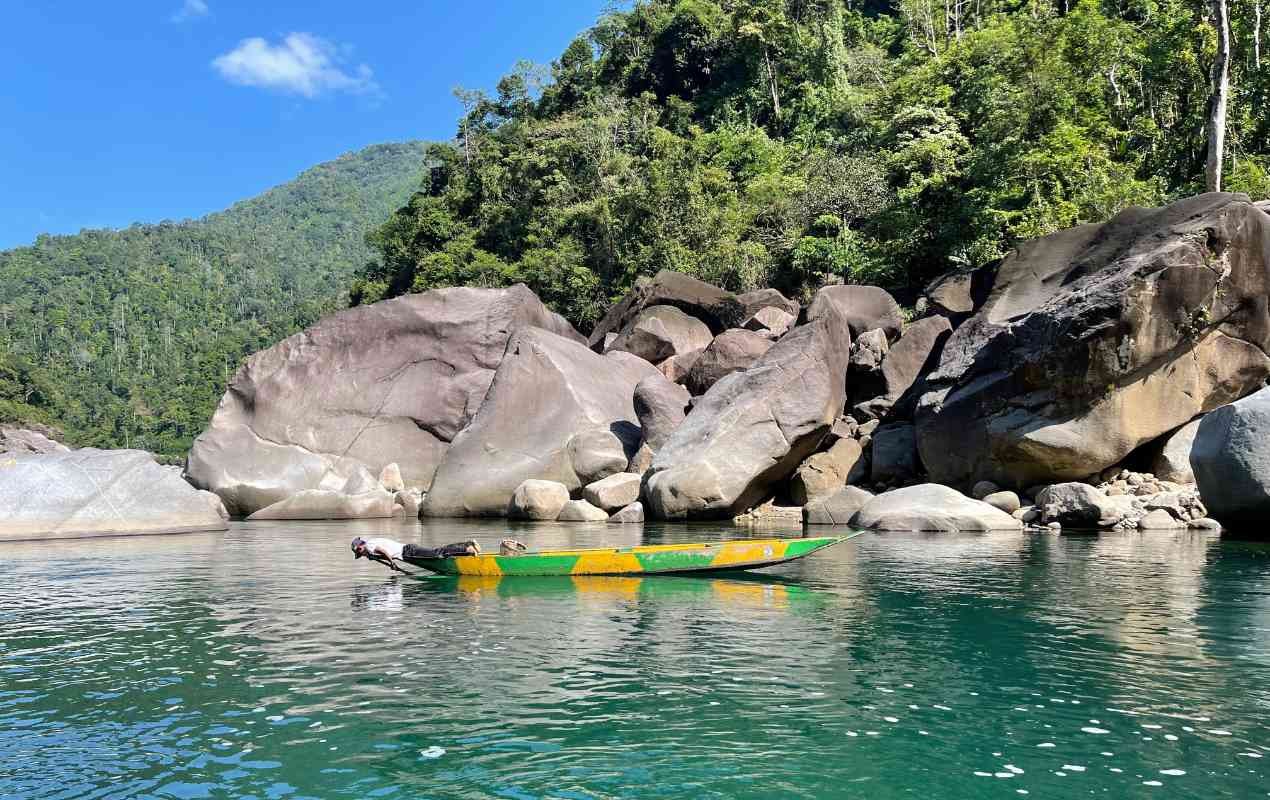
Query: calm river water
{"points": [[266, 663]]}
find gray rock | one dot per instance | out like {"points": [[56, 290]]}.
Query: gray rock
{"points": [[630, 515], [538, 500], [582, 511], [753, 428], [770, 320], [1160, 520], [731, 351], [410, 500], [1171, 457], [931, 507], [911, 358], [29, 440], [864, 307], [867, 351], [759, 299], [1006, 501], [661, 407], [894, 453], [659, 332], [984, 488], [1079, 505], [1231, 460], [324, 504], [715, 307], [613, 492], [390, 382], [837, 508], [1205, 524], [960, 292], [554, 411], [676, 368], [824, 473], [1101, 338], [90, 492], [390, 478]]}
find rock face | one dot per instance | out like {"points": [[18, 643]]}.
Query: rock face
{"points": [[825, 473], [731, 351], [1172, 462], [717, 308], [661, 407], [27, 441], [390, 382], [931, 507], [555, 411], [1231, 459], [92, 492], [753, 428], [1100, 338], [323, 504], [837, 508], [660, 332], [538, 500], [864, 308]]}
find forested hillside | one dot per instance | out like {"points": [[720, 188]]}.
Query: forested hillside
{"points": [[782, 142], [127, 338]]}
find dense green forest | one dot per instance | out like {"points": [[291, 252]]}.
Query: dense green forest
{"points": [[127, 338], [785, 142]]}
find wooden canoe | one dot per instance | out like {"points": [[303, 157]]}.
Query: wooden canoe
{"points": [[645, 560]]}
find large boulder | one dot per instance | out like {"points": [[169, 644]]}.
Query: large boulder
{"points": [[88, 492], [1100, 338], [1231, 460], [555, 411], [960, 292], [661, 407], [1079, 505], [614, 492], [659, 332], [32, 439], [931, 507], [538, 500], [826, 472], [731, 351], [717, 308], [760, 299], [1171, 457], [323, 504], [582, 511], [753, 428], [390, 382], [838, 508], [911, 358], [864, 308]]}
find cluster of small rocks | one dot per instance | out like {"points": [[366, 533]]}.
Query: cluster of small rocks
{"points": [[614, 498]]}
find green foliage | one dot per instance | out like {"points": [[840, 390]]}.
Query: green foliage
{"points": [[129, 337], [764, 142]]}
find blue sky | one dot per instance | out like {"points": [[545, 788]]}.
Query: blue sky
{"points": [[113, 113]]}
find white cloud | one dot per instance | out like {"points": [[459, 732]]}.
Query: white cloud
{"points": [[191, 9], [301, 64]]}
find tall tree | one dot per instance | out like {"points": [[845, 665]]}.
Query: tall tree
{"points": [[1220, 93]]}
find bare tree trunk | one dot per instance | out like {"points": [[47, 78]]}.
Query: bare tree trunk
{"points": [[1217, 106], [771, 81], [1256, 34]]}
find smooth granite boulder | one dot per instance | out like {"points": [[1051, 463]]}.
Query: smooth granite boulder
{"points": [[1100, 338], [613, 492], [1231, 460], [323, 504], [837, 508], [582, 511], [826, 472], [753, 428], [538, 500], [29, 440], [931, 507], [661, 407], [390, 382], [630, 515], [659, 332], [864, 308], [555, 411], [731, 351], [717, 308], [1171, 458], [90, 492]]}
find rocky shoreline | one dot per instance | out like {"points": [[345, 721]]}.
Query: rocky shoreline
{"points": [[1107, 377]]}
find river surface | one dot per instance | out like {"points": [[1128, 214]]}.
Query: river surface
{"points": [[266, 663]]}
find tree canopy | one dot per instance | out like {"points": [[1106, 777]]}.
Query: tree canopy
{"points": [[788, 142]]}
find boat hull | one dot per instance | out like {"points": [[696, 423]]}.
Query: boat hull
{"points": [[645, 560]]}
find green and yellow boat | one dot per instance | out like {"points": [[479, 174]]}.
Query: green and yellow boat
{"points": [[654, 559]]}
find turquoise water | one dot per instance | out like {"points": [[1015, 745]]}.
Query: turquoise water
{"points": [[266, 663]]}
